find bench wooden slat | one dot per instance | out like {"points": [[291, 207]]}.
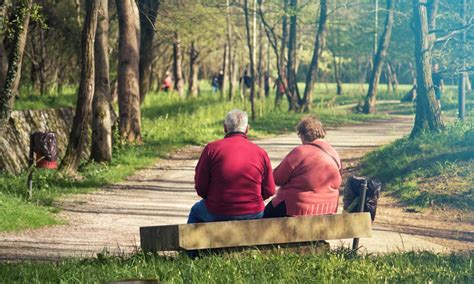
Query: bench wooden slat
{"points": [[255, 232]]}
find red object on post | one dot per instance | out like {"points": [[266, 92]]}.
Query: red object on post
{"points": [[42, 163]]}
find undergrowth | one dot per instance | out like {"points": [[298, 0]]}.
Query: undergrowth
{"points": [[434, 169]]}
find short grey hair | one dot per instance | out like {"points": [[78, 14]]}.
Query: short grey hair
{"points": [[236, 121]]}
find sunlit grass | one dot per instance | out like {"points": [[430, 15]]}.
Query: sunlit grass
{"points": [[433, 169], [251, 267]]}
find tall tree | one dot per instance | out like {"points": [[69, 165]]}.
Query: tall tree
{"points": [[281, 56], [370, 99], [462, 85], [79, 130], [12, 80], [428, 115], [230, 52], [101, 146], [318, 47], [193, 86], [148, 13], [128, 74], [178, 65], [251, 57], [291, 65], [225, 73], [261, 90]]}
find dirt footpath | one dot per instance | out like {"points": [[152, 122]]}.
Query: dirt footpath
{"points": [[109, 219]]}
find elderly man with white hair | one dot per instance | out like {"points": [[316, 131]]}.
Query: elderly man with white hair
{"points": [[233, 176]]}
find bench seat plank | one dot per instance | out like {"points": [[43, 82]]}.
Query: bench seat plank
{"points": [[255, 232]]}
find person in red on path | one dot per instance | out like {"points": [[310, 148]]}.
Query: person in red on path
{"points": [[309, 176], [167, 84], [233, 176]]}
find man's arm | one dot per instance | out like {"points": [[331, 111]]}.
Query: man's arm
{"points": [[268, 184], [201, 176]]}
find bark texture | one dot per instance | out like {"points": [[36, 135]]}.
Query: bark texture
{"points": [[78, 135], [148, 13], [12, 80], [230, 54], [370, 99], [178, 65], [193, 87], [101, 145], [128, 74], [318, 48], [252, 62], [291, 65], [428, 115]]}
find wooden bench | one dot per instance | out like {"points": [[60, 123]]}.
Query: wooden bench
{"points": [[250, 233]]}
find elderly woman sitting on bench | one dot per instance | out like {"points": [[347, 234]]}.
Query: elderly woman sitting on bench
{"points": [[309, 176]]}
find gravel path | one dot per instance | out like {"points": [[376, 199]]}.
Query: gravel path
{"points": [[108, 219]]}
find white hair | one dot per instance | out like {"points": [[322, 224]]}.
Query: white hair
{"points": [[236, 121]]}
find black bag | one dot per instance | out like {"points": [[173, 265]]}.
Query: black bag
{"points": [[44, 143], [353, 189]]}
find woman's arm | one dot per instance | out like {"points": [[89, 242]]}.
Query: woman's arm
{"points": [[283, 172]]}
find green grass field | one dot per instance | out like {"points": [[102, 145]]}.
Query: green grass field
{"points": [[251, 267]]}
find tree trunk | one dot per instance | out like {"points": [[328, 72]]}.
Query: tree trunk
{"points": [[225, 66], [291, 66], [3, 62], [337, 73], [318, 48], [393, 76], [370, 99], [178, 65], [231, 70], [251, 57], [261, 90], [463, 77], [12, 80], [193, 87], [78, 135], [281, 65], [42, 65], [128, 74], [148, 13], [388, 77], [428, 115], [101, 146]]}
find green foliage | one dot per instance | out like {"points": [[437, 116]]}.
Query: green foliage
{"points": [[433, 169], [252, 266]]}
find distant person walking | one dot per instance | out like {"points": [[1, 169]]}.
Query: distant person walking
{"points": [[215, 83], [438, 83], [167, 84]]}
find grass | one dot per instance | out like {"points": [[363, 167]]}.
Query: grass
{"points": [[433, 169], [168, 123], [250, 267]]}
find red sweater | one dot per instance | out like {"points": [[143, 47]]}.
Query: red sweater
{"points": [[309, 180], [234, 176]]}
